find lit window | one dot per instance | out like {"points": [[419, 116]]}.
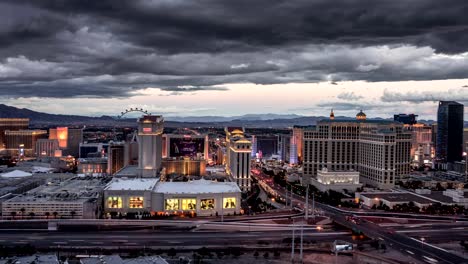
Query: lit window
{"points": [[189, 204], [229, 202], [172, 204], [136, 202], [207, 204], [114, 202]]}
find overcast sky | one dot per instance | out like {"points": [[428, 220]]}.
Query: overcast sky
{"points": [[225, 57]]}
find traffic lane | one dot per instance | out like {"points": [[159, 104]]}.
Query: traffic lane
{"points": [[44, 239]]}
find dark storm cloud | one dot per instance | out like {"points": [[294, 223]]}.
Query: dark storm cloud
{"points": [[112, 48]]}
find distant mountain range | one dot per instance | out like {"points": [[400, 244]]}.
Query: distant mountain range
{"points": [[38, 119]]}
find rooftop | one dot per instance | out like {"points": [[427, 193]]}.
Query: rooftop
{"points": [[71, 190], [16, 174], [127, 171], [398, 197], [145, 184], [196, 187]]}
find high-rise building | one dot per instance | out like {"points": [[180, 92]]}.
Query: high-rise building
{"points": [[422, 149], [23, 142], [253, 139], [69, 139], [407, 119], [115, 157], [267, 144], [293, 159], [11, 124], [449, 145], [150, 129], [298, 135], [46, 147], [379, 150], [238, 158], [284, 147]]}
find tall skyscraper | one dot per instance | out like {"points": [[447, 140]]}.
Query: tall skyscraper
{"points": [[150, 129], [449, 145], [379, 150], [238, 150], [284, 147]]}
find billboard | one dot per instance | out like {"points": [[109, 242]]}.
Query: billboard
{"points": [[186, 146]]}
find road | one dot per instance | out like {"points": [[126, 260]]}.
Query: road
{"points": [[156, 239], [398, 241]]}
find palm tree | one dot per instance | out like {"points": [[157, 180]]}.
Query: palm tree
{"points": [[31, 215], [47, 214], [73, 213], [13, 215], [55, 214], [22, 212]]}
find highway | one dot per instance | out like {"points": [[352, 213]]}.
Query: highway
{"points": [[398, 241], [157, 239]]}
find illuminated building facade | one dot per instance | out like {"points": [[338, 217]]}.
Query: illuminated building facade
{"points": [[378, 150], [92, 167], [150, 129], [11, 124], [148, 195], [298, 139], [238, 159], [185, 166], [336, 180], [193, 146], [23, 142], [69, 139], [422, 148], [46, 147]]}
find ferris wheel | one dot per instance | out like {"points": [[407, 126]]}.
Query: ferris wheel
{"points": [[130, 110]]}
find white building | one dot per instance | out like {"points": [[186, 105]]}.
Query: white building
{"points": [[150, 129], [202, 197], [148, 195], [123, 195], [336, 180]]}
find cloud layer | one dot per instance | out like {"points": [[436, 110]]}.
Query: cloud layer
{"points": [[106, 48]]}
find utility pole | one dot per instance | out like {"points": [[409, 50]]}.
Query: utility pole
{"points": [[302, 241], [307, 203], [292, 242], [313, 204]]}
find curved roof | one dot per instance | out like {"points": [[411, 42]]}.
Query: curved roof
{"points": [[361, 113], [237, 131]]}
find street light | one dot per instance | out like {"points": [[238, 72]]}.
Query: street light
{"points": [[422, 242]]}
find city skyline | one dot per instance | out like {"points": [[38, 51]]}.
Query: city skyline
{"points": [[219, 58]]}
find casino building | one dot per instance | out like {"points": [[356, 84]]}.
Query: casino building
{"points": [[149, 195], [378, 149]]}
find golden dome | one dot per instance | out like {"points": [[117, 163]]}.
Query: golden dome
{"points": [[361, 115]]}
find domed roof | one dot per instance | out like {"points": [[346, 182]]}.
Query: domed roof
{"points": [[237, 131], [361, 115]]}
